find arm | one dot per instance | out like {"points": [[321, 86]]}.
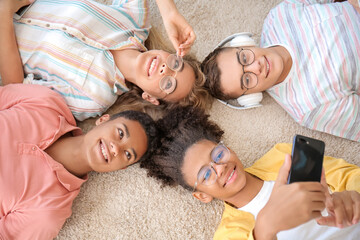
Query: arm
{"points": [[355, 4], [11, 69], [181, 34]]}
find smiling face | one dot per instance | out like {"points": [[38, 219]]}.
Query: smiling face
{"points": [[268, 66], [114, 144], [231, 176], [151, 68]]}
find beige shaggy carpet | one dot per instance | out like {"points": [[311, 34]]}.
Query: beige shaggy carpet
{"points": [[129, 205]]}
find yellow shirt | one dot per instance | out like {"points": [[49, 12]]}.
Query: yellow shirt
{"points": [[236, 224]]}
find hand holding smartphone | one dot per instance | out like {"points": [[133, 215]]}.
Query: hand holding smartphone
{"points": [[306, 159]]}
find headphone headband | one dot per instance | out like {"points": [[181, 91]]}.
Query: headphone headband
{"points": [[238, 39]]}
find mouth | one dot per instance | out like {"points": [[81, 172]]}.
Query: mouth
{"points": [[103, 151], [231, 177], [152, 65], [267, 66]]}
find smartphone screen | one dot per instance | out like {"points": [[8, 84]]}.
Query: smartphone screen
{"points": [[307, 159]]}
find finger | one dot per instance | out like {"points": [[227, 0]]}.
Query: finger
{"points": [[327, 221], [339, 213], [192, 37], [348, 206], [175, 43], [184, 51], [284, 171]]}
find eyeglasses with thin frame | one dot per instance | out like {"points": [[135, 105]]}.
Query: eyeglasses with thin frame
{"points": [[248, 80], [207, 174], [168, 83]]}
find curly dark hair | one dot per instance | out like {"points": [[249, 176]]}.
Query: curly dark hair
{"points": [[149, 127], [212, 74], [180, 129]]}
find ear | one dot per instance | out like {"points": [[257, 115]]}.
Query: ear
{"points": [[146, 96], [203, 197], [102, 119]]}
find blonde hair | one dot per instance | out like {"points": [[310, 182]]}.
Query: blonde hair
{"points": [[198, 96]]}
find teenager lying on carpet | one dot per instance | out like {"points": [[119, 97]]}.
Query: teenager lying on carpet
{"points": [[258, 201], [45, 158], [308, 61], [91, 53]]}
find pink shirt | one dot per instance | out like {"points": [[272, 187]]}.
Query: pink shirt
{"points": [[36, 192]]}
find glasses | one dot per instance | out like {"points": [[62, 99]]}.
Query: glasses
{"points": [[248, 80], [175, 63], [207, 174]]}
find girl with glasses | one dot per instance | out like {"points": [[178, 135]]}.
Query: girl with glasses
{"points": [[258, 201], [91, 53]]}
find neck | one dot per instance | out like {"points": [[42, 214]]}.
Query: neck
{"points": [[251, 189], [125, 61], [287, 60], [67, 150]]}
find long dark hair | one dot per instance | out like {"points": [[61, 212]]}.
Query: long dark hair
{"points": [[180, 129]]}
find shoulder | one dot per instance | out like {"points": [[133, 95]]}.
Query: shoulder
{"points": [[235, 224]]}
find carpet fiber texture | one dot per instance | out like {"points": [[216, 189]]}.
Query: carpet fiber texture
{"points": [[129, 205]]}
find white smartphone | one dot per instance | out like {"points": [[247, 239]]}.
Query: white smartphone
{"points": [[22, 11]]}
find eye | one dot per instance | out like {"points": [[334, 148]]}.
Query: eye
{"points": [[176, 64], [206, 175], [121, 133], [168, 84], [128, 155], [246, 79], [244, 59], [219, 156]]}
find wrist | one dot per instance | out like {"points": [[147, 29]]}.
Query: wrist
{"points": [[264, 228]]}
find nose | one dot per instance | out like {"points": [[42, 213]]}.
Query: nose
{"points": [[219, 168], [255, 67], [164, 69], [114, 149]]}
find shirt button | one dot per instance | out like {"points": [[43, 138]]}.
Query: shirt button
{"points": [[33, 148]]}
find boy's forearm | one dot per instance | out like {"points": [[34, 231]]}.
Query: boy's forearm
{"points": [[11, 69]]}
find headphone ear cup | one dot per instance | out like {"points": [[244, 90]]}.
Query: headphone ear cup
{"points": [[250, 99]]}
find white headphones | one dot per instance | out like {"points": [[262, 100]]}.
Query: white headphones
{"points": [[238, 40]]}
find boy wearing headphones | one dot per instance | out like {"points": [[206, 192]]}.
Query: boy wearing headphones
{"points": [[308, 61]]}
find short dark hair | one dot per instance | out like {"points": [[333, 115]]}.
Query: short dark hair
{"points": [[212, 74], [148, 125], [180, 129]]}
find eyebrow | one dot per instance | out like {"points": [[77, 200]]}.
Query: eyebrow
{"points": [[128, 136]]}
